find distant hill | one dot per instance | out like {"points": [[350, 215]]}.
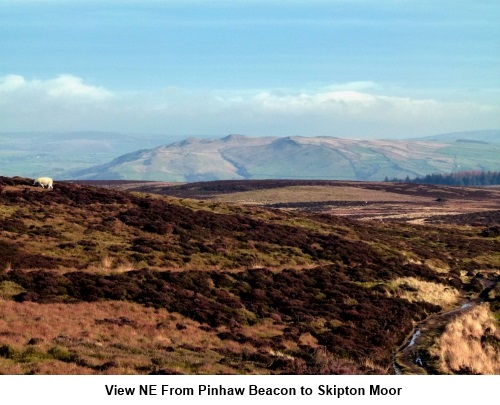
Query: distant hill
{"points": [[242, 157], [492, 135], [31, 154]]}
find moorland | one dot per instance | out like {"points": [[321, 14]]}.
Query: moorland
{"points": [[248, 277]]}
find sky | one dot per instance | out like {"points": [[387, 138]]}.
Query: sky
{"points": [[347, 68]]}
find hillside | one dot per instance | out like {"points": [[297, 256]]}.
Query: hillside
{"points": [[485, 136], [29, 153], [99, 280], [241, 157]]}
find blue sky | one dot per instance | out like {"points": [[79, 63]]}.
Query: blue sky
{"points": [[357, 68]]}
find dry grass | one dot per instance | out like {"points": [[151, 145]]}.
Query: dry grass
{"points": [[8, 289], [107, 338], [107, 262], [110, 265], [331, 364], [312, 194], [471, 344], [438, 265], [412, 289]]}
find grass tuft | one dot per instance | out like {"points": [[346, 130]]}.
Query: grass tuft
{"points": [[471, 344], [9, 289], [413, 289]]}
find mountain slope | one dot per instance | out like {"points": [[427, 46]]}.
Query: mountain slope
{"points": [[31, 153], [240, 157], [491, 135]]}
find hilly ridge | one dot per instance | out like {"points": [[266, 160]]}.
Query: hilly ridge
{"points": [[242, 157]]}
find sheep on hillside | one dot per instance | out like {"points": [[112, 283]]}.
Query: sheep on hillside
{"points": [[44, 181]]}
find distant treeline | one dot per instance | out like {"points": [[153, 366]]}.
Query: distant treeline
{"points": [[466, 178]]}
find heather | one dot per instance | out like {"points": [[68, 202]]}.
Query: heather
{"points": [[260, 290]]}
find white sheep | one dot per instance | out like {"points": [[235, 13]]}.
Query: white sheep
{"points": [[44, 181]]}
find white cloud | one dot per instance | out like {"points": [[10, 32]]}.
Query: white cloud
{"points": [[61, 103], [360, 109], [62, 87], [306, 102], [11, 83], [71, 86]]}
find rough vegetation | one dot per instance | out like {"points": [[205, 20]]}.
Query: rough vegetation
{"points": [[470, 344], [96, 280]]}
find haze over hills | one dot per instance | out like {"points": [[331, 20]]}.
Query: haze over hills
{"points": [[479, 136], [295, 157], [30, 153], [109, 155]]}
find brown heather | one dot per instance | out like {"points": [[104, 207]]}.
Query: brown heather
{"points": [[105, 337]]}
